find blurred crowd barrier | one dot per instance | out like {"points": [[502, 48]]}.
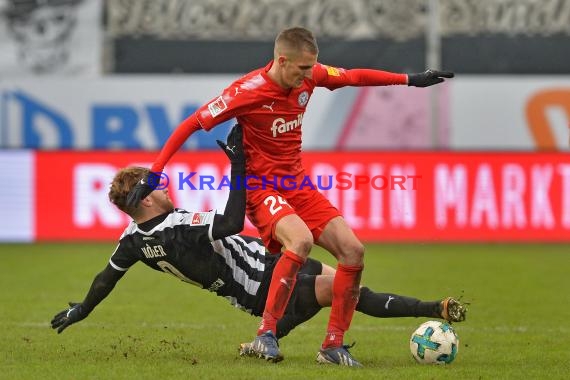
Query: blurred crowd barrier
{"points": [[91, 85], [384, 196], [139, 112]]}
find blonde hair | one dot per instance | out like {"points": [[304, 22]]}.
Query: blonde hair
{"points": [[123, 182], [296, 39]]}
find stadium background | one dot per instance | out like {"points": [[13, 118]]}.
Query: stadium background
{"points": [[87, 87], [90, 86]]}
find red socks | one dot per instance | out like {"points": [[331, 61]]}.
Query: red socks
{"points": [[346, 290], [282, 284]]}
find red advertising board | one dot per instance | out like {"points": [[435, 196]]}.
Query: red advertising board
{"points": [[389, 196]]}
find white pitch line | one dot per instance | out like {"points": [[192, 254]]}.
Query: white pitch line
{"points": [[458, 326]]}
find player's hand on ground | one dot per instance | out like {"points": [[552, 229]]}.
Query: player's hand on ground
{"points": [[143, 189], [67, 317], [428, 78], [233, 147]]}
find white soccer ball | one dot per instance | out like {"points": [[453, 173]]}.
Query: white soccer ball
{"points": [[434, 342]]}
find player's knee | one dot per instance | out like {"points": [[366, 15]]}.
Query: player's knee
{"points": [[358, 251], [302, 245], [353, 253]]}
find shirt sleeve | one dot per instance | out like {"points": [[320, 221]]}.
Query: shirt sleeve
{"points": [[201, 224], [234, 101], [175, 141], [123, 258], [336, 77]]}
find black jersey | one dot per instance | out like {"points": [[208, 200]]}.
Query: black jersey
{"points": [[180, 243]]}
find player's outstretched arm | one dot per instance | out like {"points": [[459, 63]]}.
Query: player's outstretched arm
{"points": [[174, 142], [232, 221], [102, 285], [428, 78], [333, 78]]}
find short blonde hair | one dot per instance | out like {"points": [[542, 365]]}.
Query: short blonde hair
{"points": [[123, 182], [297, 39]]}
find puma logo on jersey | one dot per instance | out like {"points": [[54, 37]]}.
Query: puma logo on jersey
{"points": [[280, 125], [268, 106]]}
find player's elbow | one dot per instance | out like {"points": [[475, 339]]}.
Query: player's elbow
{"points": [[236, 226], [227, 227]]}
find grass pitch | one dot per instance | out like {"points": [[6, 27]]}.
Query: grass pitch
{"points": [[153, 326]]}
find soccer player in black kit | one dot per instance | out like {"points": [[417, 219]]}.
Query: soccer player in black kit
{"points": [[203, 248]]}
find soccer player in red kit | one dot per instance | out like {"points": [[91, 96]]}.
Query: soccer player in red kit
{"points": [[269, 103]]}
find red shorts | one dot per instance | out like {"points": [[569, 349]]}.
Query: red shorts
{"points": [[266, 207]]}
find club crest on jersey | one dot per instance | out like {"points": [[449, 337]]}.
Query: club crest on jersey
{"points": [[303, 98], [217, 106]]}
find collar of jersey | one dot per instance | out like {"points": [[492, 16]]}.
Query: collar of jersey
{"points": [[151, 223]]}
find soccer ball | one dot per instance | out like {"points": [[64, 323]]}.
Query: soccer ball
{"points": [[434, 342]]}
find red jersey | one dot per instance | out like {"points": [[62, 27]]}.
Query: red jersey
{"points": [[271, 116]]}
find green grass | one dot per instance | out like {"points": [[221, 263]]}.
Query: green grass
{"points": [[155, 327]]}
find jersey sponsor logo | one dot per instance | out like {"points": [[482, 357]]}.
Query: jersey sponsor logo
{"points": [[217, 106], [332, 71], [303, 98], [280, 125]]}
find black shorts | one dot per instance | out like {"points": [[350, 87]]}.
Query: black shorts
{"points": [[303, 294], [311, 266]]}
